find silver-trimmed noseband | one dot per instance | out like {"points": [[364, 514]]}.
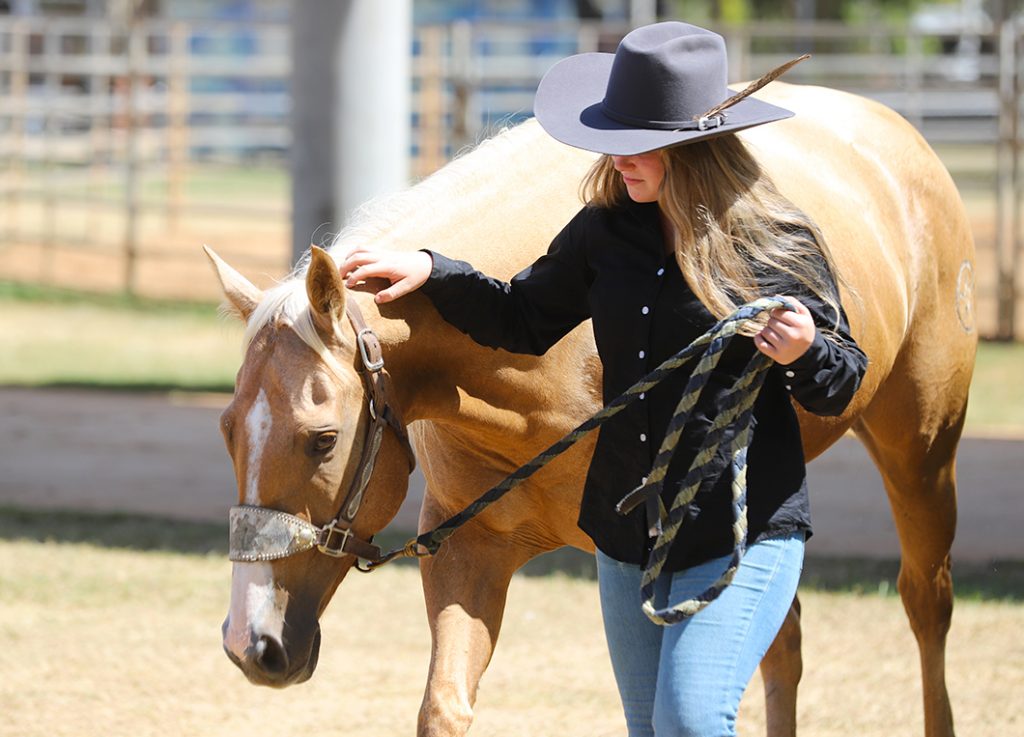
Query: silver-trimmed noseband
{"points": [[261, 534], [258, 534]]}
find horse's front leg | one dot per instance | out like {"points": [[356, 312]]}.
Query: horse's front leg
{"points": [[465, 587], [781, 669]]}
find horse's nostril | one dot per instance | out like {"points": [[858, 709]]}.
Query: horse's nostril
{"points": [[269, 655]]}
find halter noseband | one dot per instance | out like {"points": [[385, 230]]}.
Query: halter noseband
{"points": [[262, 534]]}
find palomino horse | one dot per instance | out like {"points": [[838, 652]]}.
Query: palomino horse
{"points": [[299, 422]]}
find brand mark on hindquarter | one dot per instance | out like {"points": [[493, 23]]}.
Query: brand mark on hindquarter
{"points": [[965, 296]]}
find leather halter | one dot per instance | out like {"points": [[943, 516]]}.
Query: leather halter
{"points": [[262, 534]]}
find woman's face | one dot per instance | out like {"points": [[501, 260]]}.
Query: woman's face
{"points": [[642, 173]]}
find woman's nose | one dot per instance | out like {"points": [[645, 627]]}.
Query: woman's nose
{"points": [[622, 162]]}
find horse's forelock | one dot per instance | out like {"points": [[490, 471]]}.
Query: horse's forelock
{"points": [[288, 303]]}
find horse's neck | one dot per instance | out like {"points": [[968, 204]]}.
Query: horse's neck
{"points": [[491, 399], [497, 207], [437, 373]]}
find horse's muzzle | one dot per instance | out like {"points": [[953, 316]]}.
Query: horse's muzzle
{"points": [[268, 661]]}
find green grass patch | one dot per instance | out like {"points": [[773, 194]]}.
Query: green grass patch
{"points": [[997, 390]]}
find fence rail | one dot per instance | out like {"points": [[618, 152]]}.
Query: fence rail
{"points": [[143, 138]]}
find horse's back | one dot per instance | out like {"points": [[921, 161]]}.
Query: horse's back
{"points": [[887, 206], [899, 234]]}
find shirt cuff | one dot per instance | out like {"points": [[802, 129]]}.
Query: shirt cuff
{"points": [[441, 268], [804, 369]]}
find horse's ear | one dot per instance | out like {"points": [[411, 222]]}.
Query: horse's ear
{"points": [[242, 294], [325, 289]]}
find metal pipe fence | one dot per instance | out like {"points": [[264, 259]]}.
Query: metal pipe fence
{"points": [[122, 148]]}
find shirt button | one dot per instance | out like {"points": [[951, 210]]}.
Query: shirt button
{"points": [[645, 310], [642, 354], [661, 271], [643, 437], [790, 374], [789, 388], [643, 394]]}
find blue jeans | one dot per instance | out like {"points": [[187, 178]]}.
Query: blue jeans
{"points": [[688, 679]]}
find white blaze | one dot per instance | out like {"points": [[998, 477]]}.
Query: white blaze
{"points": [[257, 605], [257, 426]]}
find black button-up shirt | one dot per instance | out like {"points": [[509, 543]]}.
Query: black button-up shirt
{"points": [[611, 265]]}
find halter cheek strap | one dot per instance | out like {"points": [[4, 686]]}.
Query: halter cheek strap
{"points": [[261, 534]]}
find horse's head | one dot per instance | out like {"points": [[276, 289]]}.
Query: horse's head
{"points": [[320, 459]]}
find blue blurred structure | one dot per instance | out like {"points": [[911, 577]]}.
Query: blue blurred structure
{"points": [[447, 11]]}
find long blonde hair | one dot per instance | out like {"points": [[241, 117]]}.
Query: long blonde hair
{"points": [[736, 235]]}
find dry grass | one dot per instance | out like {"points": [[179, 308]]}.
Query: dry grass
{"points": [[110, 642]]}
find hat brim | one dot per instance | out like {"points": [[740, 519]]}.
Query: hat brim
{"points": [[568, 107]]}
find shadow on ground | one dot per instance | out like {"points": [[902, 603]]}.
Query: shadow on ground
{"points": [[996, 580]]}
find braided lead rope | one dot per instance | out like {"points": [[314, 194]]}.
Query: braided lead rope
{"points": [[738, 414], [429, 542]]}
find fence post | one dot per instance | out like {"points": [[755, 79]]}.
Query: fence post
{"points": [[51, 111], [915, 74], [1008, 183], [642, 13], [101, 120], [465, 118], [136, 41], [19, 111], [431, 102], [177, 122]]}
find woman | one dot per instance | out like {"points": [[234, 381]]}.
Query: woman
{"points": [[681, 226]]}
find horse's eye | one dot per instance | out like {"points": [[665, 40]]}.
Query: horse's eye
{"points": [[325, 441]]}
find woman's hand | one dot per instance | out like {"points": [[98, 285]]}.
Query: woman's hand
{"points": [[788, 334], [406, 271]]}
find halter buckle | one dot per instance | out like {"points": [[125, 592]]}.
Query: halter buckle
{"points": [[323, 543], [371, 365]]}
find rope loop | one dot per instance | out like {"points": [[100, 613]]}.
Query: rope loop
{"points": [[736, 415]]}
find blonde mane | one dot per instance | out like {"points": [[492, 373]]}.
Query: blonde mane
{"points": [[287, 302]]}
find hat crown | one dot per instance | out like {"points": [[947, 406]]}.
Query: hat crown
{"points": [[666, 73]]}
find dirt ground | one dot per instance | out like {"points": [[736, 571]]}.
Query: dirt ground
{"points": [[162, 455]]}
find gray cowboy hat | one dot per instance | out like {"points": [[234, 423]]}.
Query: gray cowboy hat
{"points": [[664, 85]]}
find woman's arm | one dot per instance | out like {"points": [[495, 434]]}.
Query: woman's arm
{"points": [[528, 314]]}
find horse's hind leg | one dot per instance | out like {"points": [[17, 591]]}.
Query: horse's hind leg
{"points": [[781, 669], [918, 466]]}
